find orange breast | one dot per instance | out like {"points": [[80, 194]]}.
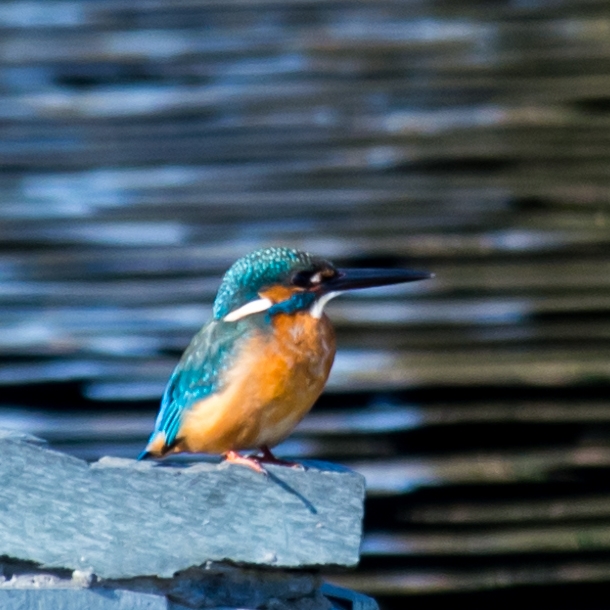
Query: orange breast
{"points": [[275, 382]]}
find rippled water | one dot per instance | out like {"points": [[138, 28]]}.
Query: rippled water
{"points": [[145, 147]]}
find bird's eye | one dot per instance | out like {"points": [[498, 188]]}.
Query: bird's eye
{"points": [[309, 278], [302, 279]]}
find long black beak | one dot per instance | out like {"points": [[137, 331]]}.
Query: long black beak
{"points": [[352, 279]]}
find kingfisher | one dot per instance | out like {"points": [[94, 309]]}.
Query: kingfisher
{"points": [[252, 373]]}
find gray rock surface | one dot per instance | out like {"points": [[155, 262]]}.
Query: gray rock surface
{"points": [[80, 599], [25, 586], [104, 599], [127, 600], [121, 519]]}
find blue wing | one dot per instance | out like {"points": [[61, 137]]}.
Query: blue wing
{"points": [[199, 373]]}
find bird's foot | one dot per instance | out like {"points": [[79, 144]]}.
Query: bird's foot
{"points": [[269, 458], [251, 462]]}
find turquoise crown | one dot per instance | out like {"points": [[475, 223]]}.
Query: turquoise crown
{"points": [[251, 273]]}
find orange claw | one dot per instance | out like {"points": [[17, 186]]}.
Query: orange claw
{"points": [[234, 458], [269, 458]]}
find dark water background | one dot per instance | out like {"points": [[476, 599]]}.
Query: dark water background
{"points": [[146, 145]]}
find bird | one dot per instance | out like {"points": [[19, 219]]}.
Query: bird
{"points": [[253, 372]]}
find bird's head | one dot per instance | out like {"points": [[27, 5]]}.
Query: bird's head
{"points": [[284, 280]]}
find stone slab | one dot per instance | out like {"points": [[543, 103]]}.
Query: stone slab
{"points": [[120, 518], [80, 599], [211, 586], [103, 599], [42, 598]]}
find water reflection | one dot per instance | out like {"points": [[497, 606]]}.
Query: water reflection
{"points": [[144, 151]]}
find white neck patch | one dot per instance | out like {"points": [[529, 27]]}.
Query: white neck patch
{"points": [[317, 309], [248, 309]]}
